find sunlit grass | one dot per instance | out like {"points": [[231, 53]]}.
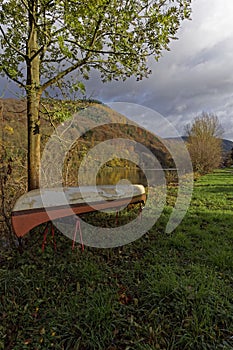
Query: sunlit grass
{"points": [[163, 291]]}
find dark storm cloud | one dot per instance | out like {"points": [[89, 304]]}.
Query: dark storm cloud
{"points": [[195, 76]]}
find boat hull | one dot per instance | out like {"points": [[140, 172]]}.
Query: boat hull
{"points": [[25, 217]]}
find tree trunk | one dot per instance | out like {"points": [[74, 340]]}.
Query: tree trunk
{"points": [[33, 102]]}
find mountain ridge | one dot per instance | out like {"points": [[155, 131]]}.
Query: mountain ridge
{"points": [[227, 145]]}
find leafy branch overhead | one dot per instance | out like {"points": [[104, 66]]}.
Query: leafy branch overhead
{"points": [[44, 41], [112, 36]]}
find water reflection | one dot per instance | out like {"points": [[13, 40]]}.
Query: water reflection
{"points": [[112, 176]]}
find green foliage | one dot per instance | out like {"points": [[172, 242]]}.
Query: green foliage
{"points": [[43, 42], [112, 37]]}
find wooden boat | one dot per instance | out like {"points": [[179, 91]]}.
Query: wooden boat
{"points": [[43, 205]]}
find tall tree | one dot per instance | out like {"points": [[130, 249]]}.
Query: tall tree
{"points": [[43, 41], [205, 143]]}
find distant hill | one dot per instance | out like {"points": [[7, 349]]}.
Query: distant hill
{"points": [[14, 129], [14, 126], [227, 145]]}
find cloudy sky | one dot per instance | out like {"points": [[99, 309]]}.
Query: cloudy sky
{"points": [[195, 76]]}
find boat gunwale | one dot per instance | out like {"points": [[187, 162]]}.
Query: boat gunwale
{"points": [[141, 196]]}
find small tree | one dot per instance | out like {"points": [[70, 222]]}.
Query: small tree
{"points": [[43, 41], [205, 143]]}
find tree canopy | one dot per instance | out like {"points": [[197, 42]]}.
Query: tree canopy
{"points": [[43, 41]]}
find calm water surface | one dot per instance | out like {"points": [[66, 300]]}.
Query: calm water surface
{"points": [[112, 176]]}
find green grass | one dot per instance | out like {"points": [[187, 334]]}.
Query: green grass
{"points": [[164, 291]]}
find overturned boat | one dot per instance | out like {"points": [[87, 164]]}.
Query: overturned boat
{"points": [[42, 205]]}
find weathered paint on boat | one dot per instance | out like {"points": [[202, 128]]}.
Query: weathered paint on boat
{"points": [[43, 205]]}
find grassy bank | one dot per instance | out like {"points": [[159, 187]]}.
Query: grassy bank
{"points": [[161, 292]]}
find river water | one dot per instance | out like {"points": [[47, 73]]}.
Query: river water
{"points": [[112, 176]]}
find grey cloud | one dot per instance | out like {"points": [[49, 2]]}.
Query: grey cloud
{"points": [[195, 76]]}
